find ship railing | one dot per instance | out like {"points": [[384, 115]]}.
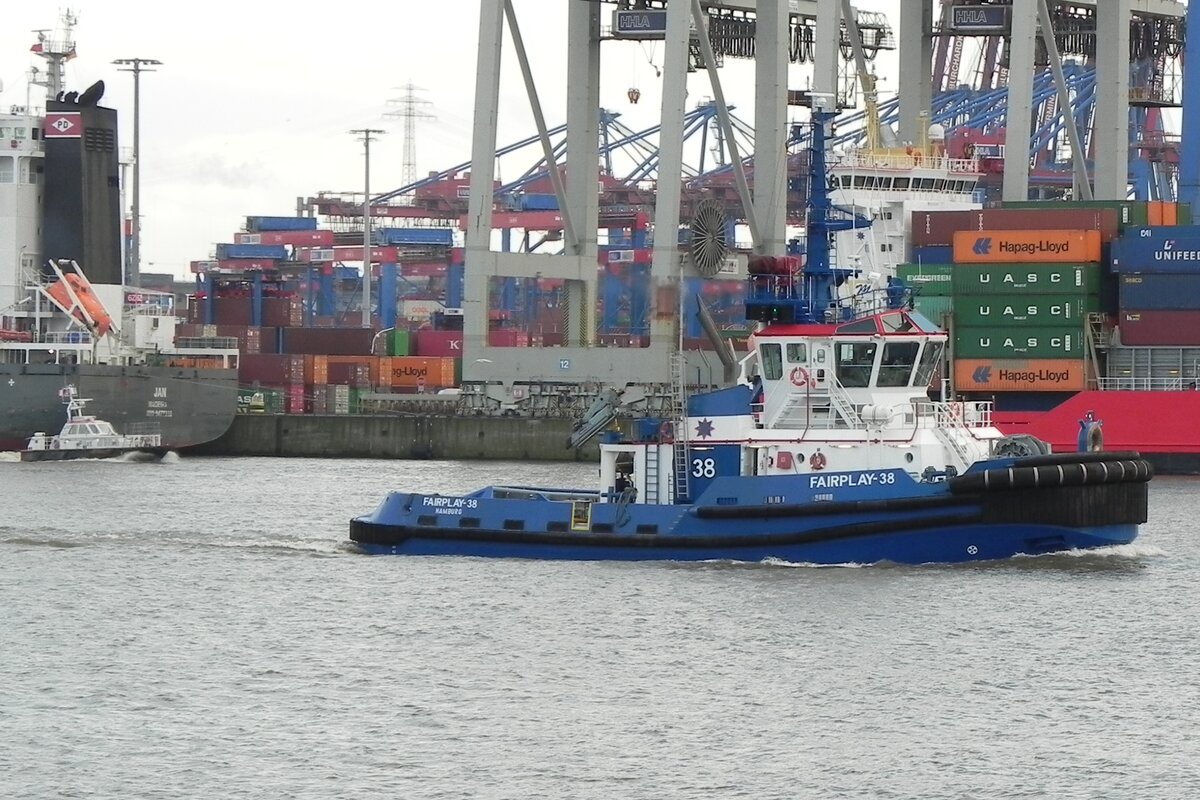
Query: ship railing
{"points": [[954, 414], [1147, 384], [534, 493], [67, 337], [866, 160], [206, 343]]}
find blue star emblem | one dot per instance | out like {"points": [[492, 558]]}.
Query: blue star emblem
{"points": [[704, 428]]}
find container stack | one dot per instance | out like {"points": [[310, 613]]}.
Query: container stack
{"points": [[1015, 287], [1158, 271]]}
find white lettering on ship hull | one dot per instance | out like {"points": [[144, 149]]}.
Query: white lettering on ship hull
{"points": [[450, 502], [850, 479]]}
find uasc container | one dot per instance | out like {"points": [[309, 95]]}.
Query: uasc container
{"points": [[1009, 310], [1046, 246], [1022, 279], [1019, 342]]}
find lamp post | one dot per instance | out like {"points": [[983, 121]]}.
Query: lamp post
{"points": [[367, 135], [137, 66]]}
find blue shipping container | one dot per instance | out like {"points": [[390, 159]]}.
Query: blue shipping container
{"points": [[277, 252], [1156, 254], [259, 224], [438, 237], [539, 202], [1161, 232], [933, 254], [1157, 291]]}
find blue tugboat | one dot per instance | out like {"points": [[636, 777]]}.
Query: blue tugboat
{"points": [[827, 450]]}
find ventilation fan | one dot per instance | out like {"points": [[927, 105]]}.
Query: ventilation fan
{"points": [[709, 246]]}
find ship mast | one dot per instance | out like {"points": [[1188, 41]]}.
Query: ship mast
{"points": [[57, 48]]}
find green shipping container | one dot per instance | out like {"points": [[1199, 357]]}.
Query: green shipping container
{"points": [[926, 280], [1023, 341], [933, 308], [1183, 214], [1031, 309], [398, 343], [1129, 212], [1026, 279], [260, 401], [458, 372]]}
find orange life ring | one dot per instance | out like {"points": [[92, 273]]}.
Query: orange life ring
{"points": [[799, 377], [817, 461]]}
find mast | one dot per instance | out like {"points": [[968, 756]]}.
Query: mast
{"points": [[56, 48]]}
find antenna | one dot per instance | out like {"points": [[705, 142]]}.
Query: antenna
{"points": [[412, 108], [57, 50]]}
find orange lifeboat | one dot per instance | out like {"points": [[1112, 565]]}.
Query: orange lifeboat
{"points": [[92, 314]]}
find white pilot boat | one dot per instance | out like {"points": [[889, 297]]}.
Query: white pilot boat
{"points": [[85, 436]]}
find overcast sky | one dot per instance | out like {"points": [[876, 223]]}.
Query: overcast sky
{"points": [[253, 104]]}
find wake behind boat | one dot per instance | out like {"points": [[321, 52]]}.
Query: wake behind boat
{"points": [[86, 436], [827, 450]]}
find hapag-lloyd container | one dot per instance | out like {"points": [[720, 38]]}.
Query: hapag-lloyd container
{"points": [[1009, 310], [1020, 375], [417, 372], [1150, 290], [1045, 246], [1023, 279], [1025, 341]]}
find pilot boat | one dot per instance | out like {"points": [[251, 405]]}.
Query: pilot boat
{"points": [[84, 436], [827, 450]]}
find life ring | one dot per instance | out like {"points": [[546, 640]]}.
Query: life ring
{"points": [[955, 411], [817, 461], [666, 432], [1091, 434], [799, 377]]}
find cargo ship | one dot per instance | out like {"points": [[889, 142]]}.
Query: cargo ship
{"points": [[67, 317], [1058, 309]]}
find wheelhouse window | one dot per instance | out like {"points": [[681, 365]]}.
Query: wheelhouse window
{"points": [[6, 169], [771, 356], [854, 363], [797, 353], [930, 357], [899, 358]]}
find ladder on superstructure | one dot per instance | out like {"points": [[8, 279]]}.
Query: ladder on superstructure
{"points": [[680, 478], [1097, 337]]}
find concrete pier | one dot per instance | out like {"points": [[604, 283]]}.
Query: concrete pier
{"points": [[407, 437]]}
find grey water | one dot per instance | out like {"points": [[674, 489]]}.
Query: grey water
{"points": [[199, 628]]}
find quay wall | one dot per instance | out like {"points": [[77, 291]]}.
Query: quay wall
{"points": [[404, 437]]}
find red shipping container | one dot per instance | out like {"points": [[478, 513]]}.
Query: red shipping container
{"points": [[295, 398], [269, 369], [380, 255], [508, 337], [1148, 328], [231, 311], [329, 341], [282, 312], [423, 269], [937, 228], [442, 344]]}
